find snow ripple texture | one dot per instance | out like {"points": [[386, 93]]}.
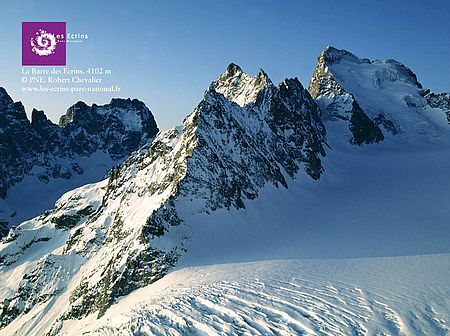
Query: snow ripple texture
{"points": [[293, 298]]}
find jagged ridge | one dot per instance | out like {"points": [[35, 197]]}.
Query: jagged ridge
{"points": [[48, 151], [126, 232]]}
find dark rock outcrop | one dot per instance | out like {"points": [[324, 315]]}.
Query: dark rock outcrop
{"points": [[50, 151]]}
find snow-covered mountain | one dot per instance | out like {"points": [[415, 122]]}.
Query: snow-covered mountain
{"points": [[39, 157], [376, 99], [255, 172], [126, 232]]}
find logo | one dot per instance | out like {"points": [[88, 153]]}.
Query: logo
{"points": [[43, 43]]}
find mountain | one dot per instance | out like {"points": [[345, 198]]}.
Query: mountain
{"points": [[375, 99], [39, 157], [128, 231], [256, 172]]}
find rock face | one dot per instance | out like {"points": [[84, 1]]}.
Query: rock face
{"points": [[126, 232], [47, 151], [440, 101], [118, 128], [18, 142], [375, 99], [338, 104]]}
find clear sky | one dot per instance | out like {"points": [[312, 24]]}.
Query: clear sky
{"points": [[167, 52]]}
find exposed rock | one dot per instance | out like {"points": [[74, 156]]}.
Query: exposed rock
{"points": [[129, 230], [376, 99], [441, 101], [48, 151], [338, 104]]}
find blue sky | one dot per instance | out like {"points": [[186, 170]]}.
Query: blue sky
{"points": [[167, 52]]}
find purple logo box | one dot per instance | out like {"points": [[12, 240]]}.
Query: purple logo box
{"points": [[43, 43]]}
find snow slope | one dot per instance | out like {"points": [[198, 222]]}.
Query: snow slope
{"points": [[378, 296], [25, 199], [384, 87], [384, 200]]}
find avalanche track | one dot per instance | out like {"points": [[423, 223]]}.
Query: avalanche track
{"points": [[375, 296]]}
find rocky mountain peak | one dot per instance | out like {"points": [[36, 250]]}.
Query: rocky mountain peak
{"points": [[376, 98], [336, 103], [233, 69], [42, 151], [49, 132], [38, 118], [10, 111], [5, 100], [239, 87], [292, 86], [73, 113], [389, 70], [124, 114], [262, 75], [332, 55]]}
